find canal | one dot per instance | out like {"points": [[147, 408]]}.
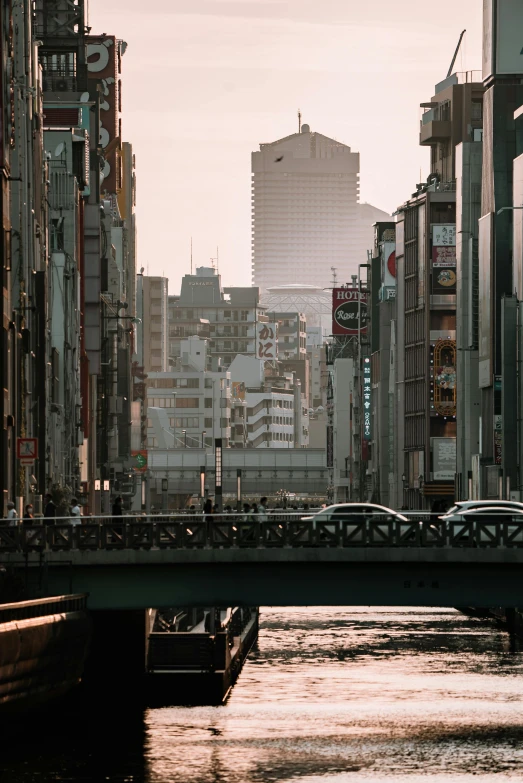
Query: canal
{"points": [[329, 695]]}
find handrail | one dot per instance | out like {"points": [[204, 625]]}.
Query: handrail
{"points": [[267, 530]]}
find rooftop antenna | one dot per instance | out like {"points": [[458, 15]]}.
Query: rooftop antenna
{"points": [[299, 121], [217, 260], [456, 53], [334, 276], [191, 255]]}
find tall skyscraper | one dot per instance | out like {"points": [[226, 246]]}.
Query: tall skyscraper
{"points": [[306, 216]]}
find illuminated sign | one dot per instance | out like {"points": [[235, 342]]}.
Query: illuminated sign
{"points": [[367, 397]]}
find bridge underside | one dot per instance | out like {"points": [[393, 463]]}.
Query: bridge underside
{"points": [[217, 579]]}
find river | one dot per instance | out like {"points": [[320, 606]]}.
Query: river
{"points": [[329, 695]]}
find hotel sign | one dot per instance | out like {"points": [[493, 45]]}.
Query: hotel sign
{"points": [[347, 303]]}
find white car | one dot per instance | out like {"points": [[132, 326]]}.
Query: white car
{"points": [[454, 514], [348, 518], [507, 511]]}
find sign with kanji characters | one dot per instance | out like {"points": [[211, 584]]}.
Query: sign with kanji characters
{"points": [[139, 460], [26, 450], [347, 304], [444, 234], [266, 340], [367, 400]]}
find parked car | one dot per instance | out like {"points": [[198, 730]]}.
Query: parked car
{"points": [[347, 517]]}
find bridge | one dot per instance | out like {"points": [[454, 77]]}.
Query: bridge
{"points": [[281, 561]]}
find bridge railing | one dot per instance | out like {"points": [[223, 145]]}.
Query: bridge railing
{"points": [[278, 529]]}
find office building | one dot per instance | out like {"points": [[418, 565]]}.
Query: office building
{"points": [[306, 216]]}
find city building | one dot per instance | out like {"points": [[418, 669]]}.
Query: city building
{"points": [[228, 315], [155, 320], [305, 212], [269, 410], [189, 407]]}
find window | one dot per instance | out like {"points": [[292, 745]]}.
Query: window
{"points": [[208, 402], [187, 383], [207, 422], [244, 315], [187, 402]]}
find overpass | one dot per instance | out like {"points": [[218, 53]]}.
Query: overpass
{"points": [[283, 561], [301, 471]]}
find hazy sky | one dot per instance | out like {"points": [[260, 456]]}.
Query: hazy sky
{"points": [[205, 81]]}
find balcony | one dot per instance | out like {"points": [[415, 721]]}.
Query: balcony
{"points": [[434, 130]]}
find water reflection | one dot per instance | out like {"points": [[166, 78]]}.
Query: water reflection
{"points": [[328, 695], [355, 694]]}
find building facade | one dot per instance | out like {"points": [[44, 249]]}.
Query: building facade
{"points": [[306, 217]]}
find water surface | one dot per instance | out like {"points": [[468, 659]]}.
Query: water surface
{"points": [[329, 695]]}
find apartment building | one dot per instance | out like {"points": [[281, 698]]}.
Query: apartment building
{"points": [[227, 316], [189, 407]]}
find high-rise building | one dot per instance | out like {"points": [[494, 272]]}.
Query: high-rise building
{"points": [[155, 324], [305, 212]]}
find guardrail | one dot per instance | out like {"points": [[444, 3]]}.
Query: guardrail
{"points": [[41, 607], [271, 530]]}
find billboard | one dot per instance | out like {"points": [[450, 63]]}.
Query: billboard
{"points": [[347, 303], [367, 399], [485, 247], [388, 264], [266, 340], [443, 459], [502, 42], [444, 258], [444, 235], [238, 390], [103, 56]]}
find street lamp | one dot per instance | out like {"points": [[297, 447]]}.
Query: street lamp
{"points": [[184, 433], [204, 433]]}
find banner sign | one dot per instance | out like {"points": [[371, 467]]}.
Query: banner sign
{"points": [[139, 460], [345, 311], [444, 234], [266, 340], [367, 399], [443, 256]]}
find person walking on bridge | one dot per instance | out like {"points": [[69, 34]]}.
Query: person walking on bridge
{"points": [[12, 519], [262, 510]]}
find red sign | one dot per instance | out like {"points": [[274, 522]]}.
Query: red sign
{"points": [[347, 304], [443, 257], [27, 450]]}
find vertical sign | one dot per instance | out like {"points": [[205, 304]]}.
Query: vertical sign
{"points": [[367, 394], [266, 340]]}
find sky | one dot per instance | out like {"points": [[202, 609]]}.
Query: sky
{"points": [[204, 82]]}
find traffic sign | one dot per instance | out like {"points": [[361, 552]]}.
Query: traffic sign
{"points": [[27, 450]]}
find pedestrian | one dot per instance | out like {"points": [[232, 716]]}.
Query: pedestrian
{"points": [[12, 520], [117, 507], [49, 510], [262, 510], [28, 514], [246, 512], [76, 512]]}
